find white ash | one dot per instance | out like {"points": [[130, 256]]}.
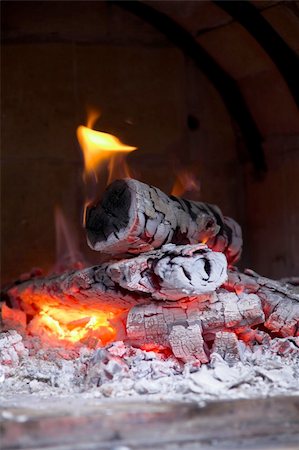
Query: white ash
{"points": [[122, 371], [12, 351]]}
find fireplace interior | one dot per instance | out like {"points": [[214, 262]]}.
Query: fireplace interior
{"points": [[124, 270]]}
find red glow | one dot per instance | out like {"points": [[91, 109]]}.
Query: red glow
{"points": [[185, 182], [67, 324]]}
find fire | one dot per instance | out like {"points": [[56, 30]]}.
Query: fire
{"points": [[185, 182], [98, 147], [74, 325], [64, 324], [68, 255]]}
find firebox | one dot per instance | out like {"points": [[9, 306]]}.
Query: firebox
{"points": [[150, 208]]}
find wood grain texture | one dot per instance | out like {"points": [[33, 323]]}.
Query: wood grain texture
{"points": [[135, 217]]}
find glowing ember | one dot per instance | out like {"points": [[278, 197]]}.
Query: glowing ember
{"points": [[98, 147], [67, 324], [73, 325]]}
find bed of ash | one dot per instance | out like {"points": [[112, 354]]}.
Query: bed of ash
{"points": [[121, 371]]}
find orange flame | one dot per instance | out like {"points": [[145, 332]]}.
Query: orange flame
{"points": [[185, 182], [68, 255], [74, 325], [92, 116], [98, 147], [67, 324]]}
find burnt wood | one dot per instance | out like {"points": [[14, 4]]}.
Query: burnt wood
{"points": [[161, 275], [251, 307], [280, 301], [171, 273], [187, 330], [134, 217]]}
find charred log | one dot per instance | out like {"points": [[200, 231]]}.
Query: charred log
{"points": [[253, 308], [163, 274], [280, 302], [171, 273], [226, 344], [187, 329], [135, 217]]}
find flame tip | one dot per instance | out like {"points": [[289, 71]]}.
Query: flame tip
{"points": [[98, 147]]}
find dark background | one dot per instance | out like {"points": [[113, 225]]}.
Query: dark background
{"points": [[207, 86]]}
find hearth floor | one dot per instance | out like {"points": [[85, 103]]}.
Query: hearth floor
{"points": [[31, 421], [123, 398]]}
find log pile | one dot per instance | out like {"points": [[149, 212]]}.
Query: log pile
{"points": [[164, 274], [168, 289]]}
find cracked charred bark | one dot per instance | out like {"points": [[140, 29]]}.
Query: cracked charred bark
{"points": [[173, 272], [250, 306], [280, 302], [164, 274], [187, 328], [135, 217]]}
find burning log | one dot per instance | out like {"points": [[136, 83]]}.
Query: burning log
{"points": [[171, 273], [135, 217], [94, 301], [220, 318], [280, 302], [120, 300], [187, 329], [166, 298]]}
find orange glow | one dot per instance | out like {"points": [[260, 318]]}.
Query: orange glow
{"points": [[74, 325], [92, 116], [185, 182], [67, 323], [68, 256], [98, 147]]}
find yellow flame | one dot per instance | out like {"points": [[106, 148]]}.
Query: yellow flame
{"points": [[98, 146], [74, 325]]}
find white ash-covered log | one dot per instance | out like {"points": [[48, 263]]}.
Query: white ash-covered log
{"points": [[250, 307], [133, 217], [280, 301], [171, 273], [187, 329]]}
